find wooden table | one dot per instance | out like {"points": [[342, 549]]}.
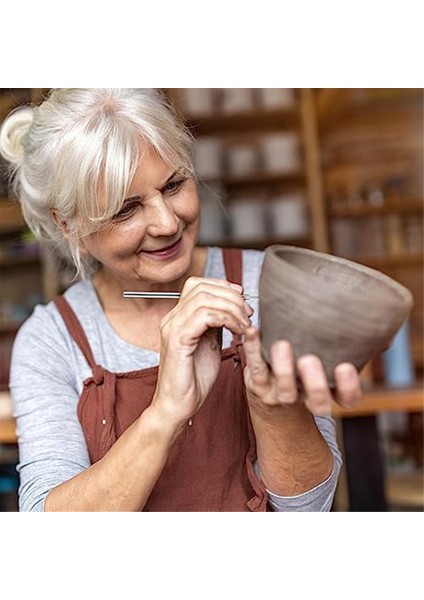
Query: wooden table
{"points": [[385, 400], [7, 431], [375, 401], [364, 483]]}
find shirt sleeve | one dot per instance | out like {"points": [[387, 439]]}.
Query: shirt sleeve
{"points": [[319, 498], [52, 447]]}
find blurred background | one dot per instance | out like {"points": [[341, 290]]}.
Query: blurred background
{"points": [[337, 170]]}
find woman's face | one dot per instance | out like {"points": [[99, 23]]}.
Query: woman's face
{"points": [[152, 238]]}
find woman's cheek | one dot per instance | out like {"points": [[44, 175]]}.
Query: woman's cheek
{"points": [[188, 208]]}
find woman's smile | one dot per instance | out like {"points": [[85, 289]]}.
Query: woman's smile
{"points": [[166, 251]]}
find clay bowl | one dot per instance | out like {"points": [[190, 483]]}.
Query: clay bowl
{"points": [[329, 306]]}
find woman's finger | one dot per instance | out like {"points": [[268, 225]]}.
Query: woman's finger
{"points": [[282, 363], [204, 291], [318, 396], [194, 282], [232, 307], [189, 328], [258, 370], [348, 384]]}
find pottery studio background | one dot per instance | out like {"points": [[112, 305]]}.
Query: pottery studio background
{"points": [[337, 170]]}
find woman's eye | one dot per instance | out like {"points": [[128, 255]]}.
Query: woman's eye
{"points": [[173, 186], [126, 210]]}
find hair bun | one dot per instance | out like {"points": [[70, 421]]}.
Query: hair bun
{"points": [[12, 131]]}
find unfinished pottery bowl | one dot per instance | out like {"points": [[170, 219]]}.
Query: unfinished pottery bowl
{"points": [[335, 308]]}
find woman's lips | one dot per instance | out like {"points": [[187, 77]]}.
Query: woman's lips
{"points": [[166, 252]]}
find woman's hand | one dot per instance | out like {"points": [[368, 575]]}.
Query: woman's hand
{"points": [[269, 390], [191, 337]]}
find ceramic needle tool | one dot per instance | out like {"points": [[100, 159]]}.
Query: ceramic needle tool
{"points": [[166, 295]]}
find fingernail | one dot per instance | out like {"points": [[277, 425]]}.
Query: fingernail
{"points": [[310, 362], [346, 372], [284, 348], [248, 308], [236, 286], [282, 351]]}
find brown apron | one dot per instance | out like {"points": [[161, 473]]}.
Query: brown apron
{"points": [[210, 467]]}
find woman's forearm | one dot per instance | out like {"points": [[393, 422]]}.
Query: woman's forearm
{"points": [[293, 457], [124, 478]]}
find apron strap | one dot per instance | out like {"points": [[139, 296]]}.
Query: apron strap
{"points": [[75, 329], [233, 264]]}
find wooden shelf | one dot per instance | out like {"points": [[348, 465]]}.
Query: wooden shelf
{"points": [[8, 431], [387, 262], [259, 179], [385, 400], [19, 261], [412, 206], [371, 105], [11, 98], [7, 422], [11, 218], [9, 328], [405, 491], [270, 120]]}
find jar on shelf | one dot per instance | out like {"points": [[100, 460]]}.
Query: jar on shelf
{"points": [[281, 152], [241, 158], [274, 98], [197, 102], [247, 219], [208, 157], [288, 216], [236, 100]]}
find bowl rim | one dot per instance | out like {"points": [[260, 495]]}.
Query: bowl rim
{"points": [[404, 292]]}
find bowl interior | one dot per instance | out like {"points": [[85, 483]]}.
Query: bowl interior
{"points": [[341, 274]]}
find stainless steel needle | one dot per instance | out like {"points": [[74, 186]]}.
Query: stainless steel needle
{"points": [[166, 295]]}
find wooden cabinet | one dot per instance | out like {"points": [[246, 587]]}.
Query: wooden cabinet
{"points": [[25, 268], [372, 169], [26, 279]]}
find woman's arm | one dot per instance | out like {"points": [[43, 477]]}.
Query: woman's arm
{"points": [[321, 497], [124, 478], [54, 466], [293, 456]]}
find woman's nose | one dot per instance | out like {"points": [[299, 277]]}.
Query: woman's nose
{"points": [[162, 220]]}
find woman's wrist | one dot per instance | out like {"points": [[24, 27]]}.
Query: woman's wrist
{"points": [[272, 413], [292, 455], [159, 426]]}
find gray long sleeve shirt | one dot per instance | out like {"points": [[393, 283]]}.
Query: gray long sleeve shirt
{"points": [[47, 375]]}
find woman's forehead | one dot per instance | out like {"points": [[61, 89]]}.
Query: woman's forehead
{"points": [[152, 171]]}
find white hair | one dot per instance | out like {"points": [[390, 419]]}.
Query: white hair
{"points": [[78, 142]]}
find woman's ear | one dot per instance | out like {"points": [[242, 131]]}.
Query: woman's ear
{"points": [[64, 227], [61, 223]]}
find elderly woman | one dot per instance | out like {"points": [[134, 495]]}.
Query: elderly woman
{"points": [[155, 404]]}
